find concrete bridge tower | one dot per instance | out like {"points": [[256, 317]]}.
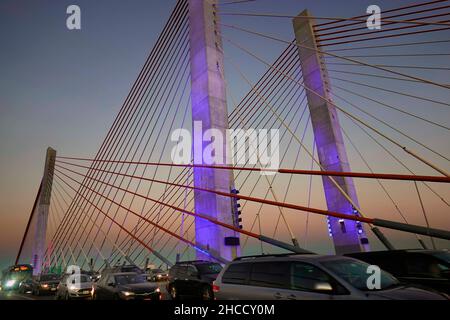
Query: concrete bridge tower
{"points": [[348, 235], [209, 110]]}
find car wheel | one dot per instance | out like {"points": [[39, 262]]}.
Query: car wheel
{"points": [[66, 296], [173, 293], [207, 293], [94, 296]]}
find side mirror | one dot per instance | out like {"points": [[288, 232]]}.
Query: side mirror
{"points": [[323, 286], [111, 284]]}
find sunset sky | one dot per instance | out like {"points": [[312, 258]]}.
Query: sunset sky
{"points": [[63, 88]]}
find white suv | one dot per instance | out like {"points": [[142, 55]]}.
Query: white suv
{"points": [[309, 276]]}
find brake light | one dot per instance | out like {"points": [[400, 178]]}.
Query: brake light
{"points": [[215, 287]]}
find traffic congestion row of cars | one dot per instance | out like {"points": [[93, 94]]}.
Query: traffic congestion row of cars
{"points": [[421, 275], [402, 275]]}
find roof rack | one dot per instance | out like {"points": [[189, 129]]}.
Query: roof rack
{"points": [[270, 255]]}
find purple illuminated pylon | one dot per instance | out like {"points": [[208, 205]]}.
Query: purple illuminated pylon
{"points": [[348, 235], [209, 108]]}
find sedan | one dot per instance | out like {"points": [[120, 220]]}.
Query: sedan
{"points": [[72, 287], [45, 284], [125, 286]]}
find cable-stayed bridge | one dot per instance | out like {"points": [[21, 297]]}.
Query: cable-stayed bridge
{"points": [[339, 96]]}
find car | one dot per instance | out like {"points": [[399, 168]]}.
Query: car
{"points": [[69, 289], [26, 286], [45, 284], [309, 277], [193, 279], [428, 268], [157, 275], [92, 274], [122, 268], [125, 286]]}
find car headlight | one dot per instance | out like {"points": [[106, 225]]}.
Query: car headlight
{"points": [[10, 283], [127, 293], [72, 287], [158, 290], [44, 285]]}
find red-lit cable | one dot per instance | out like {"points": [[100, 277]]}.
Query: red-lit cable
{"points": [[387, 176], [322, 39], [386, 21], [384, 12], [382, 37]]}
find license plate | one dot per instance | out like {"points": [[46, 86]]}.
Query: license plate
{"points": [[53, 289]]}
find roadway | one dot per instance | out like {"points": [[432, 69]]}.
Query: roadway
{"points": [[6, 295], [9, 295]]}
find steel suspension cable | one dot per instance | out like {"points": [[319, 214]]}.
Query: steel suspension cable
{"points": [[443, 172], [385, 223], [396, 159], [151, 59], [393, 107], [392, 127], [232, 114], [320, 25], [327, 53], [285, 246], [139, 116]]}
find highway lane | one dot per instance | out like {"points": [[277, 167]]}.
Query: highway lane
{"points": [[8, 295]]}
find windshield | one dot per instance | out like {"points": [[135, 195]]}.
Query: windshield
{"points": [[356, 273], [129, 279], [157, 271], [49, 277], [209, 268], [83, 278]]}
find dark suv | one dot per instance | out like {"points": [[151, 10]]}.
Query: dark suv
{"points": [[193, 279], [429, 268]]}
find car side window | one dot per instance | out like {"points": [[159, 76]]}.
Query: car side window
{"points": [[307, 277], [270, 274], [236, 273], [423, 265]]}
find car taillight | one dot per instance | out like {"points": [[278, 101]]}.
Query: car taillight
{"points": [[215, 287]]}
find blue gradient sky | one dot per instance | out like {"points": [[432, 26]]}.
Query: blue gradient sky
{"points": [[63, 88]]}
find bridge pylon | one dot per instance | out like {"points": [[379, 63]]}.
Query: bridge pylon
{"points": [[209, 109], [347, 235], [41, 212]]}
